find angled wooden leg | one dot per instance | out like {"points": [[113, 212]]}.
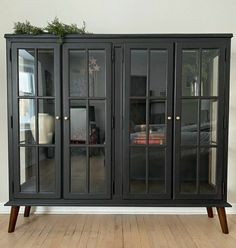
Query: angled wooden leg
{"points": [[13, 218], [210, 212], [223, 220], [27, 211]]}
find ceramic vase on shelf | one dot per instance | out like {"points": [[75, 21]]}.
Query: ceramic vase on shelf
{"points": [[45, 127]]}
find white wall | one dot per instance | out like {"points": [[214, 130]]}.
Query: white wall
{"points": [[122, 16]]}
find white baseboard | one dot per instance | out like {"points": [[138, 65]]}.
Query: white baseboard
{"points": [[116, 210]]}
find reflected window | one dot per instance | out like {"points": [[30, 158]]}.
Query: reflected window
{"points": [[26, 60]]}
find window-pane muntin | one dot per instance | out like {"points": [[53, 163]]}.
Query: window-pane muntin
{"points": [[206, 146]]}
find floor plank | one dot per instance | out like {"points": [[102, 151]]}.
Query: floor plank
{"points": [[117, 231]]}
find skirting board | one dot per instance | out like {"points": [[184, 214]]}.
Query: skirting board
{"points": [[116, 210]]}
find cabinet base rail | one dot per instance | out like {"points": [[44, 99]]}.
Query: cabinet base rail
{"points": [[220, 210]]}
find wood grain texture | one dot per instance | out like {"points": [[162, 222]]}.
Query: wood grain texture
{"points": [[116, 231]]}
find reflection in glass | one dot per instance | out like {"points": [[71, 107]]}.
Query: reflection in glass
{"points": [[28, 167], [46, 169], [189, 122], [209, 122], [97, 117], [97, 170], [97, 73], [137, 170], [46, 123], [157, 123], [210, 72], [158, 72], [78, 122], [78, 170], [190, 72], [207, 170], [156, 170], [26, 118], [26, 76], [138, 80], [78, 69], [45, 72], [138, 122], [188, 170]]}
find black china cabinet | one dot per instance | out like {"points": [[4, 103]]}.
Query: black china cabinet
{"points": [[118, 120]]}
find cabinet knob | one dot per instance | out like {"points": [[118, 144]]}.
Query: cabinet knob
{"points": [[177, 118], [66, 118], [169, 118], [58, 117]]}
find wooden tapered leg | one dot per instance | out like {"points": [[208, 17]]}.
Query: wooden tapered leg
{"points": [[27, 211], [223, 220], [210, 212], [13, 218]]}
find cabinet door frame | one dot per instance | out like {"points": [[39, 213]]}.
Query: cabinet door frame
{"points": [[15, 119], [106, 46], [204, 44], [153, 45]]}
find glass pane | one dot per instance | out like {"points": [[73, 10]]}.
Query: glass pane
{"points": [[47, 169], [138, 79], [46, 124], [138, 122], [97, 170], [207, 170], [189, 122], [28, 167], [26, 76], [78, 71], [78, 170], [210, 72], [157, 123], [188, 170], [190, 72], [27, 121], [209, 122], [137, 170], [158, 72], [156, 170], [97, 73], [78, 122], [97, 117], [45, 72]]}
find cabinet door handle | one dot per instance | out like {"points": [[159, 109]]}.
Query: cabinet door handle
{"points": [[66, 118], [58, 117], [177, 118]]}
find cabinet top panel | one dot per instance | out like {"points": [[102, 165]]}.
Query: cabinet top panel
{"points": [[122, 36]]}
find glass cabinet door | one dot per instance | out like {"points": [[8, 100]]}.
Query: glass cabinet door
{"points": [[36, 90], [199, 120], [147, 121], [87, 120]]}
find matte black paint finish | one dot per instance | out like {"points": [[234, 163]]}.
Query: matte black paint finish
{"points": [[117, 61]]}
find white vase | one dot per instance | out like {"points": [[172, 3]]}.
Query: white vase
{"points": [[45, 127]]}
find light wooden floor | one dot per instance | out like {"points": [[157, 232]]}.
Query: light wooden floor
{"points": [[113, 231]]}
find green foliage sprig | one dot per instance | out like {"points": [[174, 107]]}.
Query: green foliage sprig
{"points": [[60, 29], [27, 28], [55, 27]]}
